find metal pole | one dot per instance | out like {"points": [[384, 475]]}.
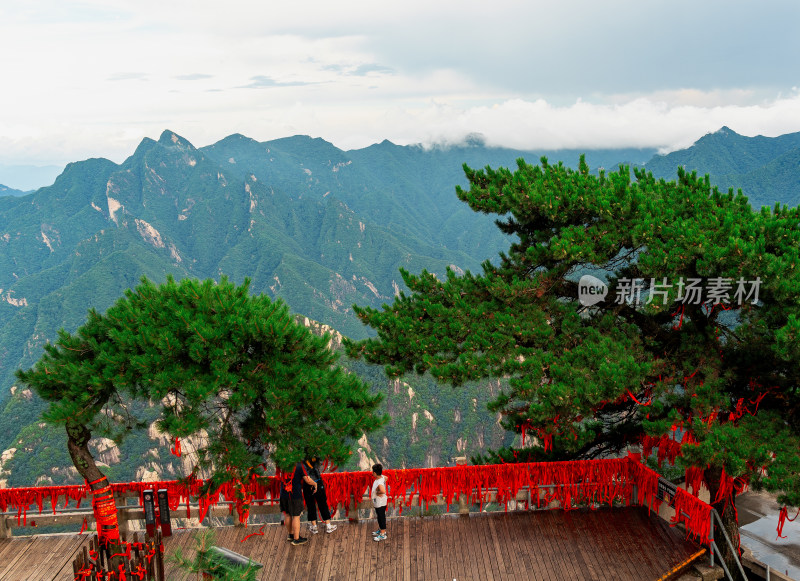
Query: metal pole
{"points": [[722, 562], [730, 544], [711, 537]]}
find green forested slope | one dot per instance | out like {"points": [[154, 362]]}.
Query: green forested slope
{"points": [[767, 169]]}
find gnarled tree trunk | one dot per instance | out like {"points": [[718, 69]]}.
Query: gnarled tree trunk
{"points": [[78, 437]]}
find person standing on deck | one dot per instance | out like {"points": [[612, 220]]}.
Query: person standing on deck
{"points": [[292, 503], [379, 501], [316, 497]]}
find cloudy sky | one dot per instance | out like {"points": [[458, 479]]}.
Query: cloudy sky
{"points": [[92, 78]]}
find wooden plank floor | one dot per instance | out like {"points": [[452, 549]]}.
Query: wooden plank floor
{"points": [[621, 544]]}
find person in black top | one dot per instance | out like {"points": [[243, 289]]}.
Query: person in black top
{"points": [[315, 496], [292, 503]]}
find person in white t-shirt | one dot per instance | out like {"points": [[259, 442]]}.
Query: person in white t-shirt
{"points": [[379, 500]]}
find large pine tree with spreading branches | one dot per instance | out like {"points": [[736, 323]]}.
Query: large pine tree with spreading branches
{"points": [[236, 369], [716, 372]]}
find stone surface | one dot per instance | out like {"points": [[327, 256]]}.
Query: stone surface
{"points": [[758, 522], [707, 573]]}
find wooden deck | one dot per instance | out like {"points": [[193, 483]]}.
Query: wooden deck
{"points": [[620, 544]]}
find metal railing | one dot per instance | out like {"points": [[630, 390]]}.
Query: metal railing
{"points": [[734, 550], [666, 491]]}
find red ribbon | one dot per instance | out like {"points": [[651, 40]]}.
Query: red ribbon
{"points": [[637, 401], [782, 518], [259, 533], [667, 448]]}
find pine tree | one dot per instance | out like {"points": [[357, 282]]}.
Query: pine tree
{"points": [[237, 369], [590, 378]]}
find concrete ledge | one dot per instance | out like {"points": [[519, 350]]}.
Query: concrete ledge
{"points": [[707, 573], [758, 569]]}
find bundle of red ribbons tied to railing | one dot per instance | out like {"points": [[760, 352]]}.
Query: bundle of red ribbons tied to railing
{"points": [[570, 484], [21, 499]]}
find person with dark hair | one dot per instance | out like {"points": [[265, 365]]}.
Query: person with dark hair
{"points": [[379, 500], [292, 503], [315, 496]]}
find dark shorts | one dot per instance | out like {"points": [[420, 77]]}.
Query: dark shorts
{"points": [[291, 506]]}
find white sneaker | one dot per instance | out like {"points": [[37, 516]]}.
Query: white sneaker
{"points": [[378, 538], [330, 528], [313, 529], [376, 533]]}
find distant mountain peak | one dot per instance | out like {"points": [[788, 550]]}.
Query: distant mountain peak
{"points": [[301, 139], [722, 137], [236, 138], [144, 146], [725, 131], [475, 139], [170, 138]]}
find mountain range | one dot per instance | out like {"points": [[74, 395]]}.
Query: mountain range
{"points": [[320, 227], [6, 191]]}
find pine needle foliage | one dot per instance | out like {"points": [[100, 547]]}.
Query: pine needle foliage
{"points": [[205, 561], [235, 371], [240, 369]]}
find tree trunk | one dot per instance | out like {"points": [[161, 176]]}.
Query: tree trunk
{"points": [[78, 437], [727, 512]]}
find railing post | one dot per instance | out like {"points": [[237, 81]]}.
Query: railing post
{"points": [[463, 504], [122, 522], [122, 514], [5, 528], [353, 509]]}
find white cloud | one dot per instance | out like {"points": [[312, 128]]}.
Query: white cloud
{"points": [[538, 124], [91, 78]]}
